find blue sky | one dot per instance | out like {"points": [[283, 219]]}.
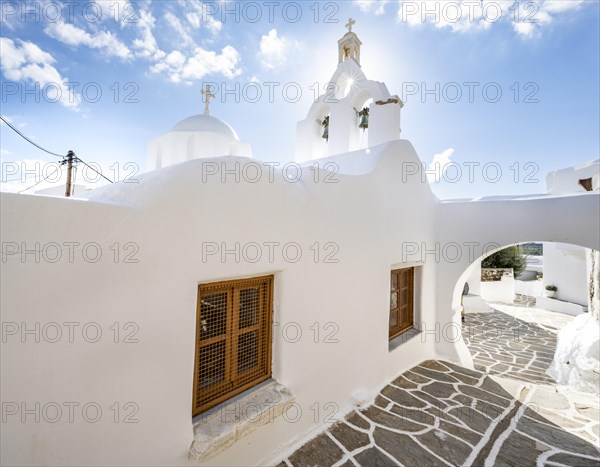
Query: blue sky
{"points": [[149, 60]]}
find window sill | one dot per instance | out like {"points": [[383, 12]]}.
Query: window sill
{"points": [[402, 338], [222, 426]]}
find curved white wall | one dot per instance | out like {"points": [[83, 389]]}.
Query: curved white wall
{"points": [[169, 215]]}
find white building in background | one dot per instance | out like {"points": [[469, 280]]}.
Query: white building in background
{"points": [[195, 302], [196, 137], [566, 265], [567, 180]]}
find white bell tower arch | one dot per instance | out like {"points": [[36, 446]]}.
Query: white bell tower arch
{"points": [[332, 124]]}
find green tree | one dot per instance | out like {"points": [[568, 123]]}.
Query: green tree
{"points": [[510, 257]]}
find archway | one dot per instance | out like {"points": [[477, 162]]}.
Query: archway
{"points": [[508, 336], [478, 228]]}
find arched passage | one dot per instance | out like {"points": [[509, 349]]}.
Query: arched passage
{"points": [[478, 228]]}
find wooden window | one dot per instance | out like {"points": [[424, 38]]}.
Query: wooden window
{"points": [[401, 301], [233, 339]]}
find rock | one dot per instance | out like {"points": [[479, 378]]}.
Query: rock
{"points": [[391, 421], [404, 449], [521, 448], [437, 389], [350, 438], [570, 459], [320, 452], [373, 457], [555, 436], [454, 451], [435, 375], [358, 421], [402, 397]]}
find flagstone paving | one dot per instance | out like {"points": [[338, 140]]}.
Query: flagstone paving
{"points": [[440, 414], [506, 346]]}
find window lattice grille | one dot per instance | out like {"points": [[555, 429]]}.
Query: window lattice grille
{"points": [[233, 339]]}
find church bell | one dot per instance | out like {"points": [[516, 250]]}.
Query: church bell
{"points": [[364, 118], [326, 128]]}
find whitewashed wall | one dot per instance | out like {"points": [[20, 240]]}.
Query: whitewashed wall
{"points": [[565, 267], [169, 215], [499, 291], [375, 220], [567, 180], [530, 288], [474, 279]]}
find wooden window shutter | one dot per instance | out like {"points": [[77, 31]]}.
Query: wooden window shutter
{"points": [[401, 301], [233, 339]]}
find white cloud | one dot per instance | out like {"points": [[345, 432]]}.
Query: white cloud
{"points": [[199, 14], [527, 18], [376, 6], [439, 165], [179, 29], [72, 35], [119, 11], [524, 29], [180, 68], [561, 6], [145, 46], [274, 49], [458, 16], [25, 61]]}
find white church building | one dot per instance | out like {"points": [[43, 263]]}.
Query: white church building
{"points": [[220, 312]]}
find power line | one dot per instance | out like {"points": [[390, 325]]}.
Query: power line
{"points": [[77, 159], [42, 180], [27, 139]]}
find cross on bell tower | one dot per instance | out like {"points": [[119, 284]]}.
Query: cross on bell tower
{"points": [[351, 23], [349, 45], [208, 95]]}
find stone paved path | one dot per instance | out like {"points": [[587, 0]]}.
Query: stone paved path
{"points": [[523, 340], [440, 414], [505, 346]]}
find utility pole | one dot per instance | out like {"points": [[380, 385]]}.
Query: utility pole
{"points": [[70, 157]]}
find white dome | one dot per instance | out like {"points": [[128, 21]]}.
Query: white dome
{"points": [[206, 123], [196, 137]]}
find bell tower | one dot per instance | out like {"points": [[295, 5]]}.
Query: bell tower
{"points": [[353, 114], [349, 45]]}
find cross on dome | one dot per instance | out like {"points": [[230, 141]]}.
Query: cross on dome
{"points": [[351, 23], [208, 95]]}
